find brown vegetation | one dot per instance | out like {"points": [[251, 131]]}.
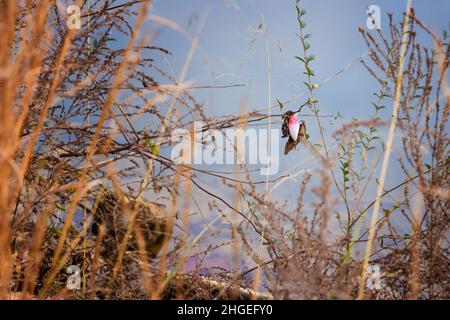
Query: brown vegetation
{"points": [[71, 110]]}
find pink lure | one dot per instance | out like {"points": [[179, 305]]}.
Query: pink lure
{"points": [[293, 126]]}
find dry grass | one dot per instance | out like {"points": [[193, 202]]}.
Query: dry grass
{"points": [[80, 108]]}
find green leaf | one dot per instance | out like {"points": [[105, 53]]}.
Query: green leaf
{"points": [[307, 85], [154, 148], [60, 206], [300, 58], [280, 104], [428, 166], [309, 72]]}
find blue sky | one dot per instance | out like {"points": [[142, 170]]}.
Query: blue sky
{"points": [[232, 52]]}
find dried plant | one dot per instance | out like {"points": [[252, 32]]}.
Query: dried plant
{"points": [[87, 110]]}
